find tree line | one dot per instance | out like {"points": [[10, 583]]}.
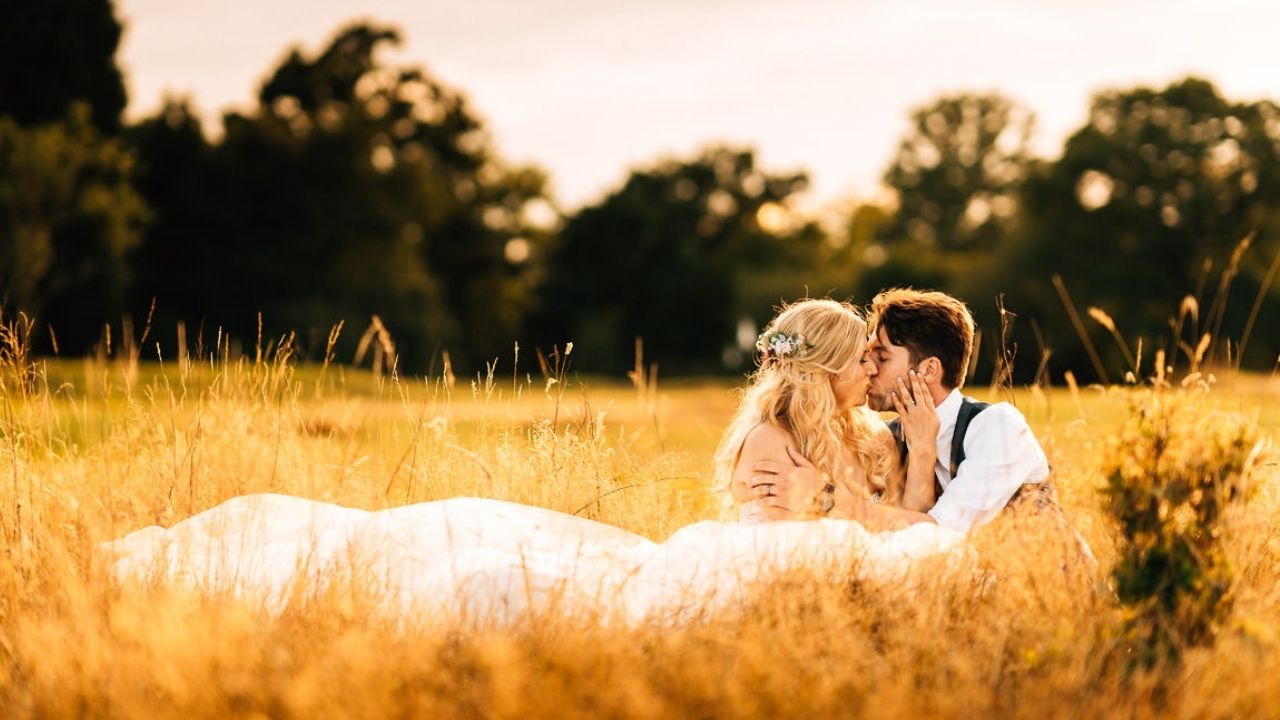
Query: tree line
{"points": [[355, 189]]}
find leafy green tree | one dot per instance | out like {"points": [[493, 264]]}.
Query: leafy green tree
{"points": [[957, 173], [956, 180], [1157, 184], [355, 189], [664, 258], [180, 243], [68, 216], [58, 53], [68, 211]]}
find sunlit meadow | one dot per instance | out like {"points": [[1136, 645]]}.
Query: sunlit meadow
{"points": [[92, 449]]}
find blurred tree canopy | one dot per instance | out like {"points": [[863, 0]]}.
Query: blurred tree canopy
{"points": [[69, 212], [355, 189], [68, 216], [957, 182], [55, 54], [358, 188], [958, 171], [1146, 206], [660, 257], [956, 179]]}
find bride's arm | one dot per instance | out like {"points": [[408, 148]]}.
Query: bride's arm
{"points": [[920, 424], [918, 491]]}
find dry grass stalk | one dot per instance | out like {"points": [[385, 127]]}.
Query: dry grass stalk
{"points": [[1083, 334]]}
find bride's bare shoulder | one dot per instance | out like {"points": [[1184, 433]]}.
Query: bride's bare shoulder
{"points": [[767, 439]]}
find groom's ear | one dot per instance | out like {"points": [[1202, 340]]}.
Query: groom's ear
{"points": [[930, 369]]}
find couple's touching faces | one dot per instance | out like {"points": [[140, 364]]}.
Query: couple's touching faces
{"points": [[806, 440], [894, 376], [886, 379]]}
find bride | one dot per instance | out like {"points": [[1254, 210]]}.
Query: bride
{"points": [[492, 561]]}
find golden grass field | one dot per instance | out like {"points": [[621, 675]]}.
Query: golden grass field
{"points": [[93, 449]]}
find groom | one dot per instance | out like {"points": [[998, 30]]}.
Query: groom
{"points": [[984, 454]]}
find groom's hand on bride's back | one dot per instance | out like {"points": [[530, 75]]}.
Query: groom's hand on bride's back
{"points": [[773, 475], [789, 485]]}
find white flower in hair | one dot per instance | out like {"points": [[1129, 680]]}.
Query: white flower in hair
{"points": [[778, 344]]}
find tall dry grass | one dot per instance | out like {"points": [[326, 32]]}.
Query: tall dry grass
{"points": [[92, 449]]}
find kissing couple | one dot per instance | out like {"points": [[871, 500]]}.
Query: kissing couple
{"points": [[805, 443]]}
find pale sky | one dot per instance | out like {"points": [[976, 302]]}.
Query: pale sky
{"points": [[588, 89]]}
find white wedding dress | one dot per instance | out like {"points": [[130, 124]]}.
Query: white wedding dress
{"points": [[494, 561]]}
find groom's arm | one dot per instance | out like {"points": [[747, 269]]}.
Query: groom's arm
{"points": [[1001, 454]]}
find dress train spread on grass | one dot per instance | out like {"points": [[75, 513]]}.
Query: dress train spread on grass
{"points": [[490, 560]]}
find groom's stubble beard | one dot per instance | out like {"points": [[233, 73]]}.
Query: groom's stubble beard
{"points": [[877, 401]]}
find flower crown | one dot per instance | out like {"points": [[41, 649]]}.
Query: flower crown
{"points": [[777, 345]]}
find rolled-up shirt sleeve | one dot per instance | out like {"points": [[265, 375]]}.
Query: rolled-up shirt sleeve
{"points": [[1001, 454]]}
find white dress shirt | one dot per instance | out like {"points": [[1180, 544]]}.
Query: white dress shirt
{"points": [[1000, 455]]}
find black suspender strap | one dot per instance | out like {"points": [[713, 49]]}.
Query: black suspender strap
{"points": [[969, 409], [899, 439]]}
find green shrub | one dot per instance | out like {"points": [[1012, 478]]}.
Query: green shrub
{"points": [[1171, 472]]}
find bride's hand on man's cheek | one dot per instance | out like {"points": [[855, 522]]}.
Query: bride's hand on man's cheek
{"points": [[918, 415]]}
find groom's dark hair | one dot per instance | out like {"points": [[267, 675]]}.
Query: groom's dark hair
{"points": [[928, 324]]}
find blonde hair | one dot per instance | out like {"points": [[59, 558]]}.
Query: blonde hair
{"points": [[794, 392]]}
